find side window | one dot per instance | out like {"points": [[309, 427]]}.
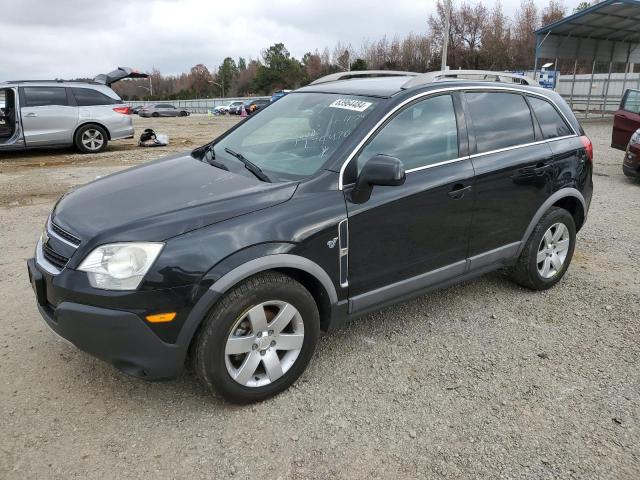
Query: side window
{"points": [[86, 97], [168, 106], [550, 121], [43, 96], [500, 120], [632, 102], [422, 134]]}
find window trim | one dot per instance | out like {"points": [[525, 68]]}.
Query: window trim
{"points": [[399, 112], [342, 185]]}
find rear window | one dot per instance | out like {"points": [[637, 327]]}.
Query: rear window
{"points": [[500, 120], [550, 121], [86, 97], [44, 96], [631, 101]]}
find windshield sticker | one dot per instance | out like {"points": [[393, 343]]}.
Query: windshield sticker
{"points": [[350, 104]]}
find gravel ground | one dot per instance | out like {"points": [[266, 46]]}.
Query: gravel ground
{"points": [[480, 380]]}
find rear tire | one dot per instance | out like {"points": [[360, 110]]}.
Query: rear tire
{"points": [[90, 139], [155, 114], [547, 254], [258, 339]]}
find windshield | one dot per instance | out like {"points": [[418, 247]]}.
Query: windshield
{"points": [[292, 138]]}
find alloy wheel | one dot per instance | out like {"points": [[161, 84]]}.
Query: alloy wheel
{"points": [[264, 343], [92, 139], [552, 251]]}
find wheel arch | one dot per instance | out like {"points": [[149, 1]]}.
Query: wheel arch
{"points": [[313, 277], [568, 198], [91, 122]]}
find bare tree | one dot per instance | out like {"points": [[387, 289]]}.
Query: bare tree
{"points": [[496, 41], [524, 39]]}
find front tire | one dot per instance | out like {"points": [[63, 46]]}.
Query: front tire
{"points": [[258, 339], [548, 251], [90, 139]]}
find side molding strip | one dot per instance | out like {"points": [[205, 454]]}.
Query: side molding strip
{"points": [[343, 246], [506, 252], [406, 286]]}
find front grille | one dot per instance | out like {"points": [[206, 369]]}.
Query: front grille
{"points": [[54, 257], [64, 234]]}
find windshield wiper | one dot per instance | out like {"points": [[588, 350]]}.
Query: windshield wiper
{"points": [[249, 165], [210, 157]]}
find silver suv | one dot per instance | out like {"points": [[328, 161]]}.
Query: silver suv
{"points": [[53, 113]]}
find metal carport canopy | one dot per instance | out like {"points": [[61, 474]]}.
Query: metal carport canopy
{"points": [[608, 31]]}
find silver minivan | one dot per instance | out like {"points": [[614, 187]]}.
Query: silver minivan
{"points": [[54, 113]]}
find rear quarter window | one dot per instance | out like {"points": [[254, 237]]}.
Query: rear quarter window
{"points": [[500, 120], [551, 123], [86, 97]]}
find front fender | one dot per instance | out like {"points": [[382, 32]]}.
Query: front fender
{"points": [[235, 270]]}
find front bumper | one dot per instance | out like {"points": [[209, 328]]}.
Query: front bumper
{"points": [[118, 337]]}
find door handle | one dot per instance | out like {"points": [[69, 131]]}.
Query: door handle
{"points": [[458, 190], [31, 114], [542, 168]]}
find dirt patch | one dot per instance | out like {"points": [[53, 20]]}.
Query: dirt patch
{"points": [[480, 380]]}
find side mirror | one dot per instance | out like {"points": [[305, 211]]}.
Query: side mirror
{"points": [[381, 170]]}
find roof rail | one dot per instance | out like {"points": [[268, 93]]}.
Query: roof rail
{"points": [[477, 75], [362, 73], [13, 82]]}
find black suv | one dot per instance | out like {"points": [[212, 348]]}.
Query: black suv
{"points": [[342, 197]]}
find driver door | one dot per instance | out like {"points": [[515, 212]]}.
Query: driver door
{"points": [[405, 238]]}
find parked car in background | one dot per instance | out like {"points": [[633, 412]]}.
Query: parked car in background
{"points": [[238, 253], [225, 109], [255, 104], [136, 109], [626, 119], [234, 107], [55, 113], [631, 164], [163, 110], [279, 94], [220, 110]]}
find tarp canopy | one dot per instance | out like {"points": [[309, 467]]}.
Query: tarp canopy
{"points": [[608, 31]]}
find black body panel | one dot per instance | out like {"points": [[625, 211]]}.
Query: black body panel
{"points": [[449, 221]]}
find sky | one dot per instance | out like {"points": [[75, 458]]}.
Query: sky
{"points": [[44, 39]]}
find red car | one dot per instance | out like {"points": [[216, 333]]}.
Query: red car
{"points": [[626, 132]]}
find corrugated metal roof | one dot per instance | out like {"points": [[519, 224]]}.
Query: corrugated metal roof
{"points": [[610, 29]]}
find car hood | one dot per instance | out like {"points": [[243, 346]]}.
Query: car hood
{"points": [[163, 199]]}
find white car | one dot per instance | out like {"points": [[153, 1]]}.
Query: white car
{"points": [[224, 109]]}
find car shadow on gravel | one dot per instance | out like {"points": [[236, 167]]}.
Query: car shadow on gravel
{"points": [[101, 380]]}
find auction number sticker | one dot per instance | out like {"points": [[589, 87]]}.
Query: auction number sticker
{"points": [[350, 104]]}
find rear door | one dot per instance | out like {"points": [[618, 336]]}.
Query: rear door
{"points": [[626, 120], [49, 115], [514, 172]]}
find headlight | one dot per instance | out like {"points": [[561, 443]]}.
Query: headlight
{"points": [[635, 138], [120, 266]]}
